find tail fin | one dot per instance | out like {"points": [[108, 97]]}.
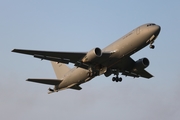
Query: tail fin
{"points": [[60, 69]]}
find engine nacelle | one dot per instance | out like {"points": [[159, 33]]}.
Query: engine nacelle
{"points": [[91, 55], [141, 64]]}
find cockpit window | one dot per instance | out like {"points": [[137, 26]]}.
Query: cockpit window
{"points": [[150, 24]]}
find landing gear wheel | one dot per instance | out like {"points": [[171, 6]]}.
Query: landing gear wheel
{"points": [[152, 46], [120, 79], [113, 79], [117, 79]]}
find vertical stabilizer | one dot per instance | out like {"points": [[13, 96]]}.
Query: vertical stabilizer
{"points": [[60, 69]]}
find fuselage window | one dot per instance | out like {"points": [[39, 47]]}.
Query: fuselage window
{"points": [[150, 25]]}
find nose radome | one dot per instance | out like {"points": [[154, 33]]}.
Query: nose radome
{"points": [[157, 30]]}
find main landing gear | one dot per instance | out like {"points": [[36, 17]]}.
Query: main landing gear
{"points": [[117, 78]]}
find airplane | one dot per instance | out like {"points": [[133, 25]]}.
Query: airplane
{"points": [[113, 59]]}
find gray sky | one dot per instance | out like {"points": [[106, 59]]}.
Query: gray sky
{"points": [[67, 25]]}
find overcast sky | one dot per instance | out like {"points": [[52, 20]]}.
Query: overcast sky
{"points": [[69, 25]]}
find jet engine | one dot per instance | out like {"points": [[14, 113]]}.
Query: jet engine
{"points": [[141, 64], [91, 55]]}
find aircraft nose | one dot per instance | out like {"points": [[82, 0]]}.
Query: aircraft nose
{"points": [[157, 30], [154, 29]]}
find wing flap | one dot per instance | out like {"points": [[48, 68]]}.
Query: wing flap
{"points": [[46, 81], [55, 59]]}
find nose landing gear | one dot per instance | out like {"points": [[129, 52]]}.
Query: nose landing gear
{"points": [[152, 46], [151, 40]]}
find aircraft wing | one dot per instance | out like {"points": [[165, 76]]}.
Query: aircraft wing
{"points": [[126, 69], [63, 57], [76, 57], [141, 73]]}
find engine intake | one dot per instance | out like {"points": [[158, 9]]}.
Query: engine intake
{"points": [[141, 64], [91, 55]]}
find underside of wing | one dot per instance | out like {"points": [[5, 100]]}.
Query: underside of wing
{"points": [[129, 67], [145, 74], [142, 73], [46, 81], [64, 57]]}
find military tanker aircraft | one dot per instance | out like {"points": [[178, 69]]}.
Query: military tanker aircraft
{"points": [[113, 59]]}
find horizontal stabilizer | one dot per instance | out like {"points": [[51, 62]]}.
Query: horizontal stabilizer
{"points": [[76, 87], [46, 81]]}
